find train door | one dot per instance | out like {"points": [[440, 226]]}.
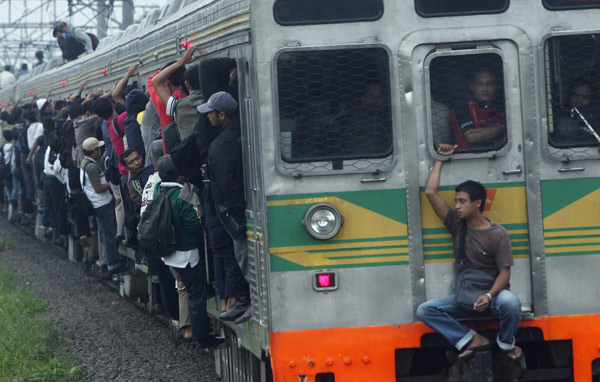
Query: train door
{"points": [[569, 170], [470, 85]]}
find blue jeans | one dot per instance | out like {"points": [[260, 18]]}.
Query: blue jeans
{"points": [[107, 221], [442, 315]]}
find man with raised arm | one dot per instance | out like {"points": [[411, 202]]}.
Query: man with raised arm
{"points": [[485, 247]]}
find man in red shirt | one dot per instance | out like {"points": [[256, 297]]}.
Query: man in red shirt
{"points": [[480, 123], [173, 85]]}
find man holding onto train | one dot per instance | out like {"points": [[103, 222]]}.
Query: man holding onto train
{"points": [[486, 248]]}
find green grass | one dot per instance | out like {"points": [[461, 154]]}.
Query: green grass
{"points": [[6, 244], [28, 345]]}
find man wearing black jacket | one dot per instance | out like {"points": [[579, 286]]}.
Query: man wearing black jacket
{"points": [[224, 202]]}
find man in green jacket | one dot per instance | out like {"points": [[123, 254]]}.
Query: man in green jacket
{"points": [[186, 259]]}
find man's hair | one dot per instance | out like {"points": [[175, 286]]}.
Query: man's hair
{"points": [[120, 108], [175, 77], [23, 66], [17, 111], [55, 31], [103, 108], [88, 152], [192, 77], [60, 104], [125, 154], [75, 110], [31, 116], [39, 54], [8, 135], [7, 68], [475, 190]]}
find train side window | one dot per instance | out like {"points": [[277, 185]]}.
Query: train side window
{"points": [[334, 105], [306, 12], [467, 102], [563, 5], [440, 8], [572, 92]]}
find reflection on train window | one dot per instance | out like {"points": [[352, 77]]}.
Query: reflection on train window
{"points": [[467, 102], [437, 8], [334, 104], [302, 12], [572, 85], [559, 5]]}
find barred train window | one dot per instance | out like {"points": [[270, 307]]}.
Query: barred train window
{"points": [[302, 12], [334, 105], [467, 102], [437, 8], [572, 88], [559, 5]]}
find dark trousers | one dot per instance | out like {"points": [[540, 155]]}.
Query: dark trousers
{"points": [[56, 206], [194, 280], [166, 296], [27, 186]]}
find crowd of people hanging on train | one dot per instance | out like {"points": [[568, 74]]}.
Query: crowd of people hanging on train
{"points": [[121, 148]]}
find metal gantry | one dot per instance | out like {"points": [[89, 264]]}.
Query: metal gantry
{"points": [[26, 25]]}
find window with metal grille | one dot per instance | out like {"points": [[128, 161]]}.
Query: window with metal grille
{"points": [[439, 8], [572, 84], [561, 5], [334, 107], [303, 12], [467, 101]]}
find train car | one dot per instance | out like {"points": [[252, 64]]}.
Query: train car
{"points": [[342, 105]]}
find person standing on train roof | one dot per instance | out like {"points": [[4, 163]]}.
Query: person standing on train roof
{"points": [[486, 246], [479, 122]]}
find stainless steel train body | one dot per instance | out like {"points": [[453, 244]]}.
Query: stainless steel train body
{"points": [[391, 254]]}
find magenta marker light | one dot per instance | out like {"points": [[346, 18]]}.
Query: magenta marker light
{"points": [[325, 281]]}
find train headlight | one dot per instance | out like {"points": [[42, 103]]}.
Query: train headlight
{"points": [[322, 221]]}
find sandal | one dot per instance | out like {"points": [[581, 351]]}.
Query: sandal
{"points": [[473, 350]]}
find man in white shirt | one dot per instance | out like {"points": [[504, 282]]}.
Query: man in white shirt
{"points": [[97, 190]]}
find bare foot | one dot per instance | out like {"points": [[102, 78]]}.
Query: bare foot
{"points": [[224, 305], [230, 302], [188, 333], [477, 342], [515, 353]]}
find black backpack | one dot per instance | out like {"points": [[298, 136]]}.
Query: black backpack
{"points": [[156, 234]]}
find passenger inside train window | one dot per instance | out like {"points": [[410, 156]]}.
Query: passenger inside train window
{"points": [[476, 120], [334, 105], [576, 123], [572, 77]]}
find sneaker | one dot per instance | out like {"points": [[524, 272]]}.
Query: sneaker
{"points": [[236, 311], [210, 343]]}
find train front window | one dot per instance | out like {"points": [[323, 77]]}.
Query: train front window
{"points": [[303, 12], [561, 5], [438, 8], [572, 91], [467, 102], [334, 105]]}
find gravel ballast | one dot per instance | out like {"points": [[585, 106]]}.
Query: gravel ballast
{"points": [[114, 339]]}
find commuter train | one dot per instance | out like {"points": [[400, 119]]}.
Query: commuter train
{"points": [[342, 104]]}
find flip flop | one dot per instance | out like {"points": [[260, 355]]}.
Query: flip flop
{"points": [[244, 317], [473, 350]]}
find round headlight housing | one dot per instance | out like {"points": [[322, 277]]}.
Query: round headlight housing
{"points": [[322, 221]]}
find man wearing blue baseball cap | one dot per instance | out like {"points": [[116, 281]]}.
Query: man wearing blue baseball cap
{"points": [[224, 205]]}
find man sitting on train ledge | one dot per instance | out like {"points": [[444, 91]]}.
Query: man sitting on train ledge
{"points": [[485, 247], [479, 123]]}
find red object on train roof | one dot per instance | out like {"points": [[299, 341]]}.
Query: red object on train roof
{"points": [[186, 44], [105, 71], [31, 92], [63, 83]]}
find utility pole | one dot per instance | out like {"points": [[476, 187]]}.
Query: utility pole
{"points": [[127, 13]]}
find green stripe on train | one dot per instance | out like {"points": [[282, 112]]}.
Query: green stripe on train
{"points": [[557, 194]]}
